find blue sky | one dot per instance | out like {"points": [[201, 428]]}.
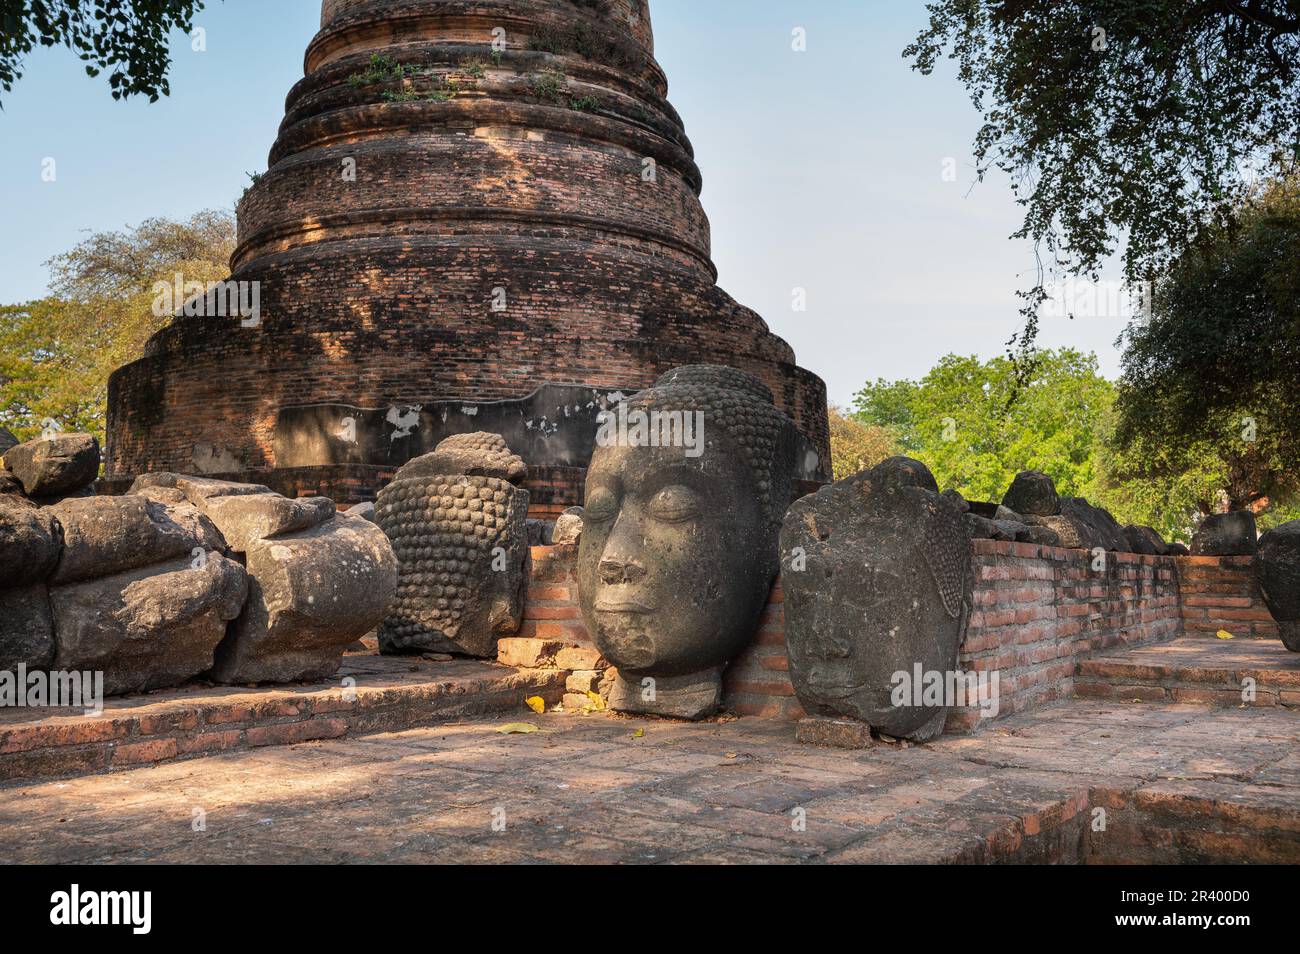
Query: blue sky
{"points": [[822, 170]]}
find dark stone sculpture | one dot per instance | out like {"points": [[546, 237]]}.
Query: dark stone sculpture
{"points": [[30, 542], [877, 582], [679, 541], [1277, 567], [1033, 494], [1226, 534], [457, 522]]}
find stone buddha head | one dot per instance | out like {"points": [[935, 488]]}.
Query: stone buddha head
{"points": [[685, 495], [878, 584], [458, 525]]}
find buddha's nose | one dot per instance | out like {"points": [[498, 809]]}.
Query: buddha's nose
{"points": [[613, 570]]}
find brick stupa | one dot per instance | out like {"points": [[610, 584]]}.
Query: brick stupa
{"points": [[444, 230]]}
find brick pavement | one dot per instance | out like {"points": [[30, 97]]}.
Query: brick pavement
{"points": [[1170, 782]]}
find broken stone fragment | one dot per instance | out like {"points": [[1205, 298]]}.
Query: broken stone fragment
{"points": [[539, 532], [1226, 534], [691, 696], [55, 466], [150, 627], [958, 500], [26, 630], [568, 528], [365, 510], [30, 542], [1083, 526], [196, 489], [244, 519], [1033, 494], [1042, 536], [1145, 540], [311, 595], [104, 536]]}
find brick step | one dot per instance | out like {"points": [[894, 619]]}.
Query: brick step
{"points": [[371, 693], [1195, 670]]}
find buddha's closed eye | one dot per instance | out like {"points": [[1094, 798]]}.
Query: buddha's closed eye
{"points": [[602, 505], [676, 504]]}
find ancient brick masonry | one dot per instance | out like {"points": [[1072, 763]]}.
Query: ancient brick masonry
{"points": [[1040, 613], [517, 217]]}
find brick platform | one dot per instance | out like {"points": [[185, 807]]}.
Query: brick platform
{"points": [[1196, 670], [371, 694], [1082, 782]]}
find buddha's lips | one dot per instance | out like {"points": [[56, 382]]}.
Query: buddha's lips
{"points": [[625, 607]]}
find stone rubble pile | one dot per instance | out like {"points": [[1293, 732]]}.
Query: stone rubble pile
{"points": [[180, 577], [1032, 511]]}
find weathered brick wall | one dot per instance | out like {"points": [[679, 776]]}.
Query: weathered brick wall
{"points": [[1221, 593], [1037, 611], [757, 682], [551, 608]]}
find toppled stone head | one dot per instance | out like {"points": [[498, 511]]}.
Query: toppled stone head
{"points": [[877, 584], [685, 495], [458, 524], [1277, 567]]}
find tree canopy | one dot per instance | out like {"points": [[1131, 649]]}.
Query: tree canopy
{"points": [[127, 37], [956, 419], [1137, 120], [855, 445], [56, 354], [1215, 373]]}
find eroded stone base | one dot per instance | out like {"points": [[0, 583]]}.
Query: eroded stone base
{"points": [[694, 696]]}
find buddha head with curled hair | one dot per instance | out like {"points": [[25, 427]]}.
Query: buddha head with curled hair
{"points": [[680, 540]]}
